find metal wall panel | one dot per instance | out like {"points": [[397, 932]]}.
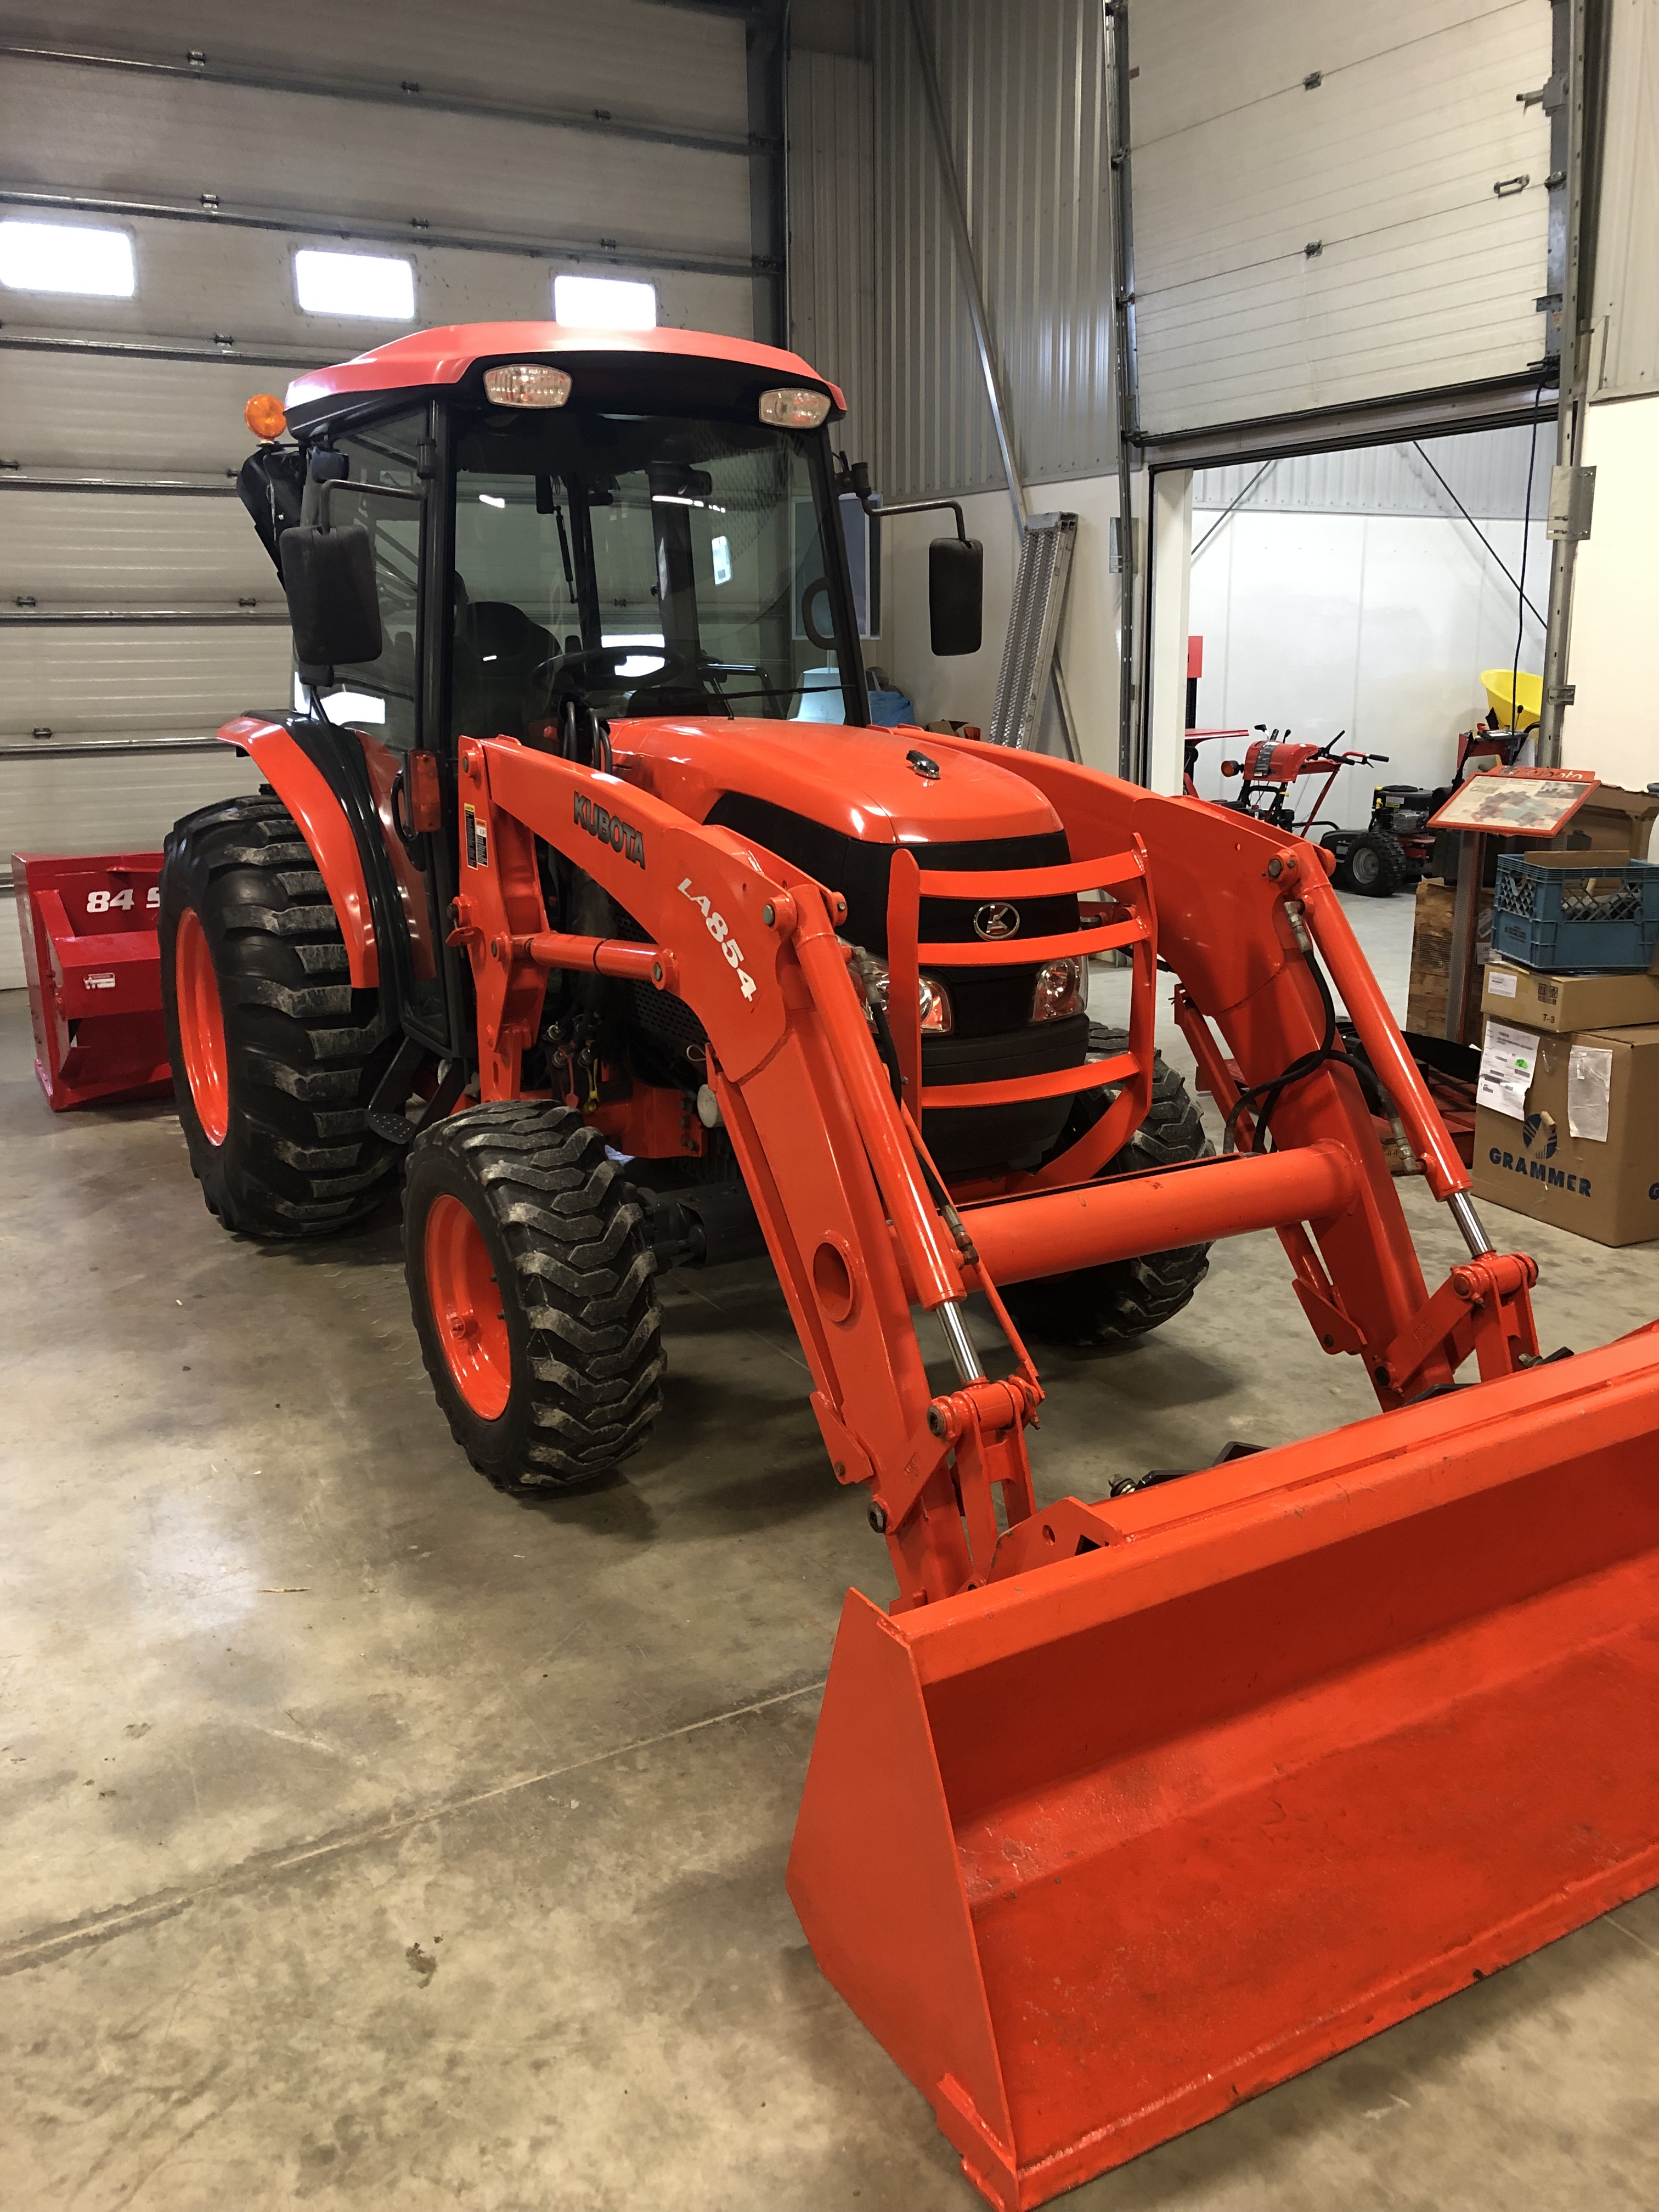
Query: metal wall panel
{"points": [[68, 413], [1425, 276], [661, 64], [183, 681], [109, 549], [103, 133], [1486, 469], [1024, 91], [1624, 359], [102, 805], [199, 281], [110, 805], [832, 239]]}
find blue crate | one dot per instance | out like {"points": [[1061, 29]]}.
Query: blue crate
{"points": [[1576, 913]]}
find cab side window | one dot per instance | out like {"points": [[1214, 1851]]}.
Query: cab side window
{"points": [[380, 696]]}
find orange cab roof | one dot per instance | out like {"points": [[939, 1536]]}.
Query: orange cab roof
{"points": [[444, 355]]}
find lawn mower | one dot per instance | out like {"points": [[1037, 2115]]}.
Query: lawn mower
{"points": [[1371, 860], [1397, 847], [555, 911]]}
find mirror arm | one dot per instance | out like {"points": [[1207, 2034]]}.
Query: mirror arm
{"points": [[857, 479], [871, 504]]}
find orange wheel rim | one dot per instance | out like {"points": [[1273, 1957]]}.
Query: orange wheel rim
{"points": [[466, 1307], [202, 1027]]}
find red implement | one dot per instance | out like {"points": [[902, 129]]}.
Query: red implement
{"points": [[93, 972]]}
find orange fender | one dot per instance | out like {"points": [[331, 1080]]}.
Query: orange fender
{"points": [[304, 790]]}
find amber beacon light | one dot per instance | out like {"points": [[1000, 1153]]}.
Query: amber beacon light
{"points": [[265, 415]]}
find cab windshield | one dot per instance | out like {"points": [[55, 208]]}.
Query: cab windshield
{"points": [[641, 564]]}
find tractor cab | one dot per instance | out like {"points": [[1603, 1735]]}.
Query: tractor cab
{"points": [[633, 525], [631, 551]]}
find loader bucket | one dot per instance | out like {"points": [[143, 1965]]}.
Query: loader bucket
{"points": [[1312, 1740]]}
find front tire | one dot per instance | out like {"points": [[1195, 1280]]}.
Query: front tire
{"points": [[274, 1056], [534, 1294], [1127, 1298]]}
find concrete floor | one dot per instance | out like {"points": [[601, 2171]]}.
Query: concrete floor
{"points": [[373, 1839]]}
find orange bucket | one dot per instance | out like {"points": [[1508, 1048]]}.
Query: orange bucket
{"points": [[1101, 1849]]}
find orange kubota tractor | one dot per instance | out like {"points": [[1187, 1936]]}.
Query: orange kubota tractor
{"points": [[1124, 1808]]}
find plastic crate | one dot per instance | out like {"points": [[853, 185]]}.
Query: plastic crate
{"points": [[1576, 913]]}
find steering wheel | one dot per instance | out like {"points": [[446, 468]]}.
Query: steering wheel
{"points": [[568, 674], [819, 584]]}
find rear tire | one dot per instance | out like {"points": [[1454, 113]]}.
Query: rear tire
{"points": [[274, 1056], [1376, 864], [1116, 1304], [534, 1294]]}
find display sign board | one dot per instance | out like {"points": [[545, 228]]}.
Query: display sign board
{"points": [[1516, 802]]}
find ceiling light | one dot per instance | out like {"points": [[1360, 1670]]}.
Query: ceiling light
{"points": [[61, 257], [603, 303], [374, 285]]}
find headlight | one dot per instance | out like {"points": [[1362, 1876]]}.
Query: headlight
{"points": [[932, 997], [793, 409], [1062, 989], [527, 384]]}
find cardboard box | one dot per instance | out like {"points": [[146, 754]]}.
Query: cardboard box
{"points": [[1611, 820], [1431, 928], [1562, 1004], [1607, 1188]]}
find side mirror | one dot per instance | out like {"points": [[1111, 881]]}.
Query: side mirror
{"points": [[955, 595], [329, 577]]}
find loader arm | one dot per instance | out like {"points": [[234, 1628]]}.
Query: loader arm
{"points": [[837, 1181], [857, 1221], [1245, 911]]}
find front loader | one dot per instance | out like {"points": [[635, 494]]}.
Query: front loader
{"points": [[557, 901]]}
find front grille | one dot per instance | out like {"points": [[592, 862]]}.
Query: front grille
{"points": [[985, 1002]]}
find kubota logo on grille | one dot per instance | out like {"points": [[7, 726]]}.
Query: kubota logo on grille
{"points": [[997, 920]]}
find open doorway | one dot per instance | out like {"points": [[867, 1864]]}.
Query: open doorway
{"points": [[1375, 601]]}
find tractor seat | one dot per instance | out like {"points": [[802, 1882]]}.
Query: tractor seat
{"points": [[498, 649]]}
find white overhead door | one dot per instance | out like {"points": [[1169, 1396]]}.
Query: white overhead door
{"points": [[1334, 203], [486, 148]]}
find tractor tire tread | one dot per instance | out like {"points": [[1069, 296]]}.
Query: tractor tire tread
{"points": [[305, 1050], [586, 1284]]}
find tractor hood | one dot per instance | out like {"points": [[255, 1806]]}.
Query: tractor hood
{"points": [[862, 784]]}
